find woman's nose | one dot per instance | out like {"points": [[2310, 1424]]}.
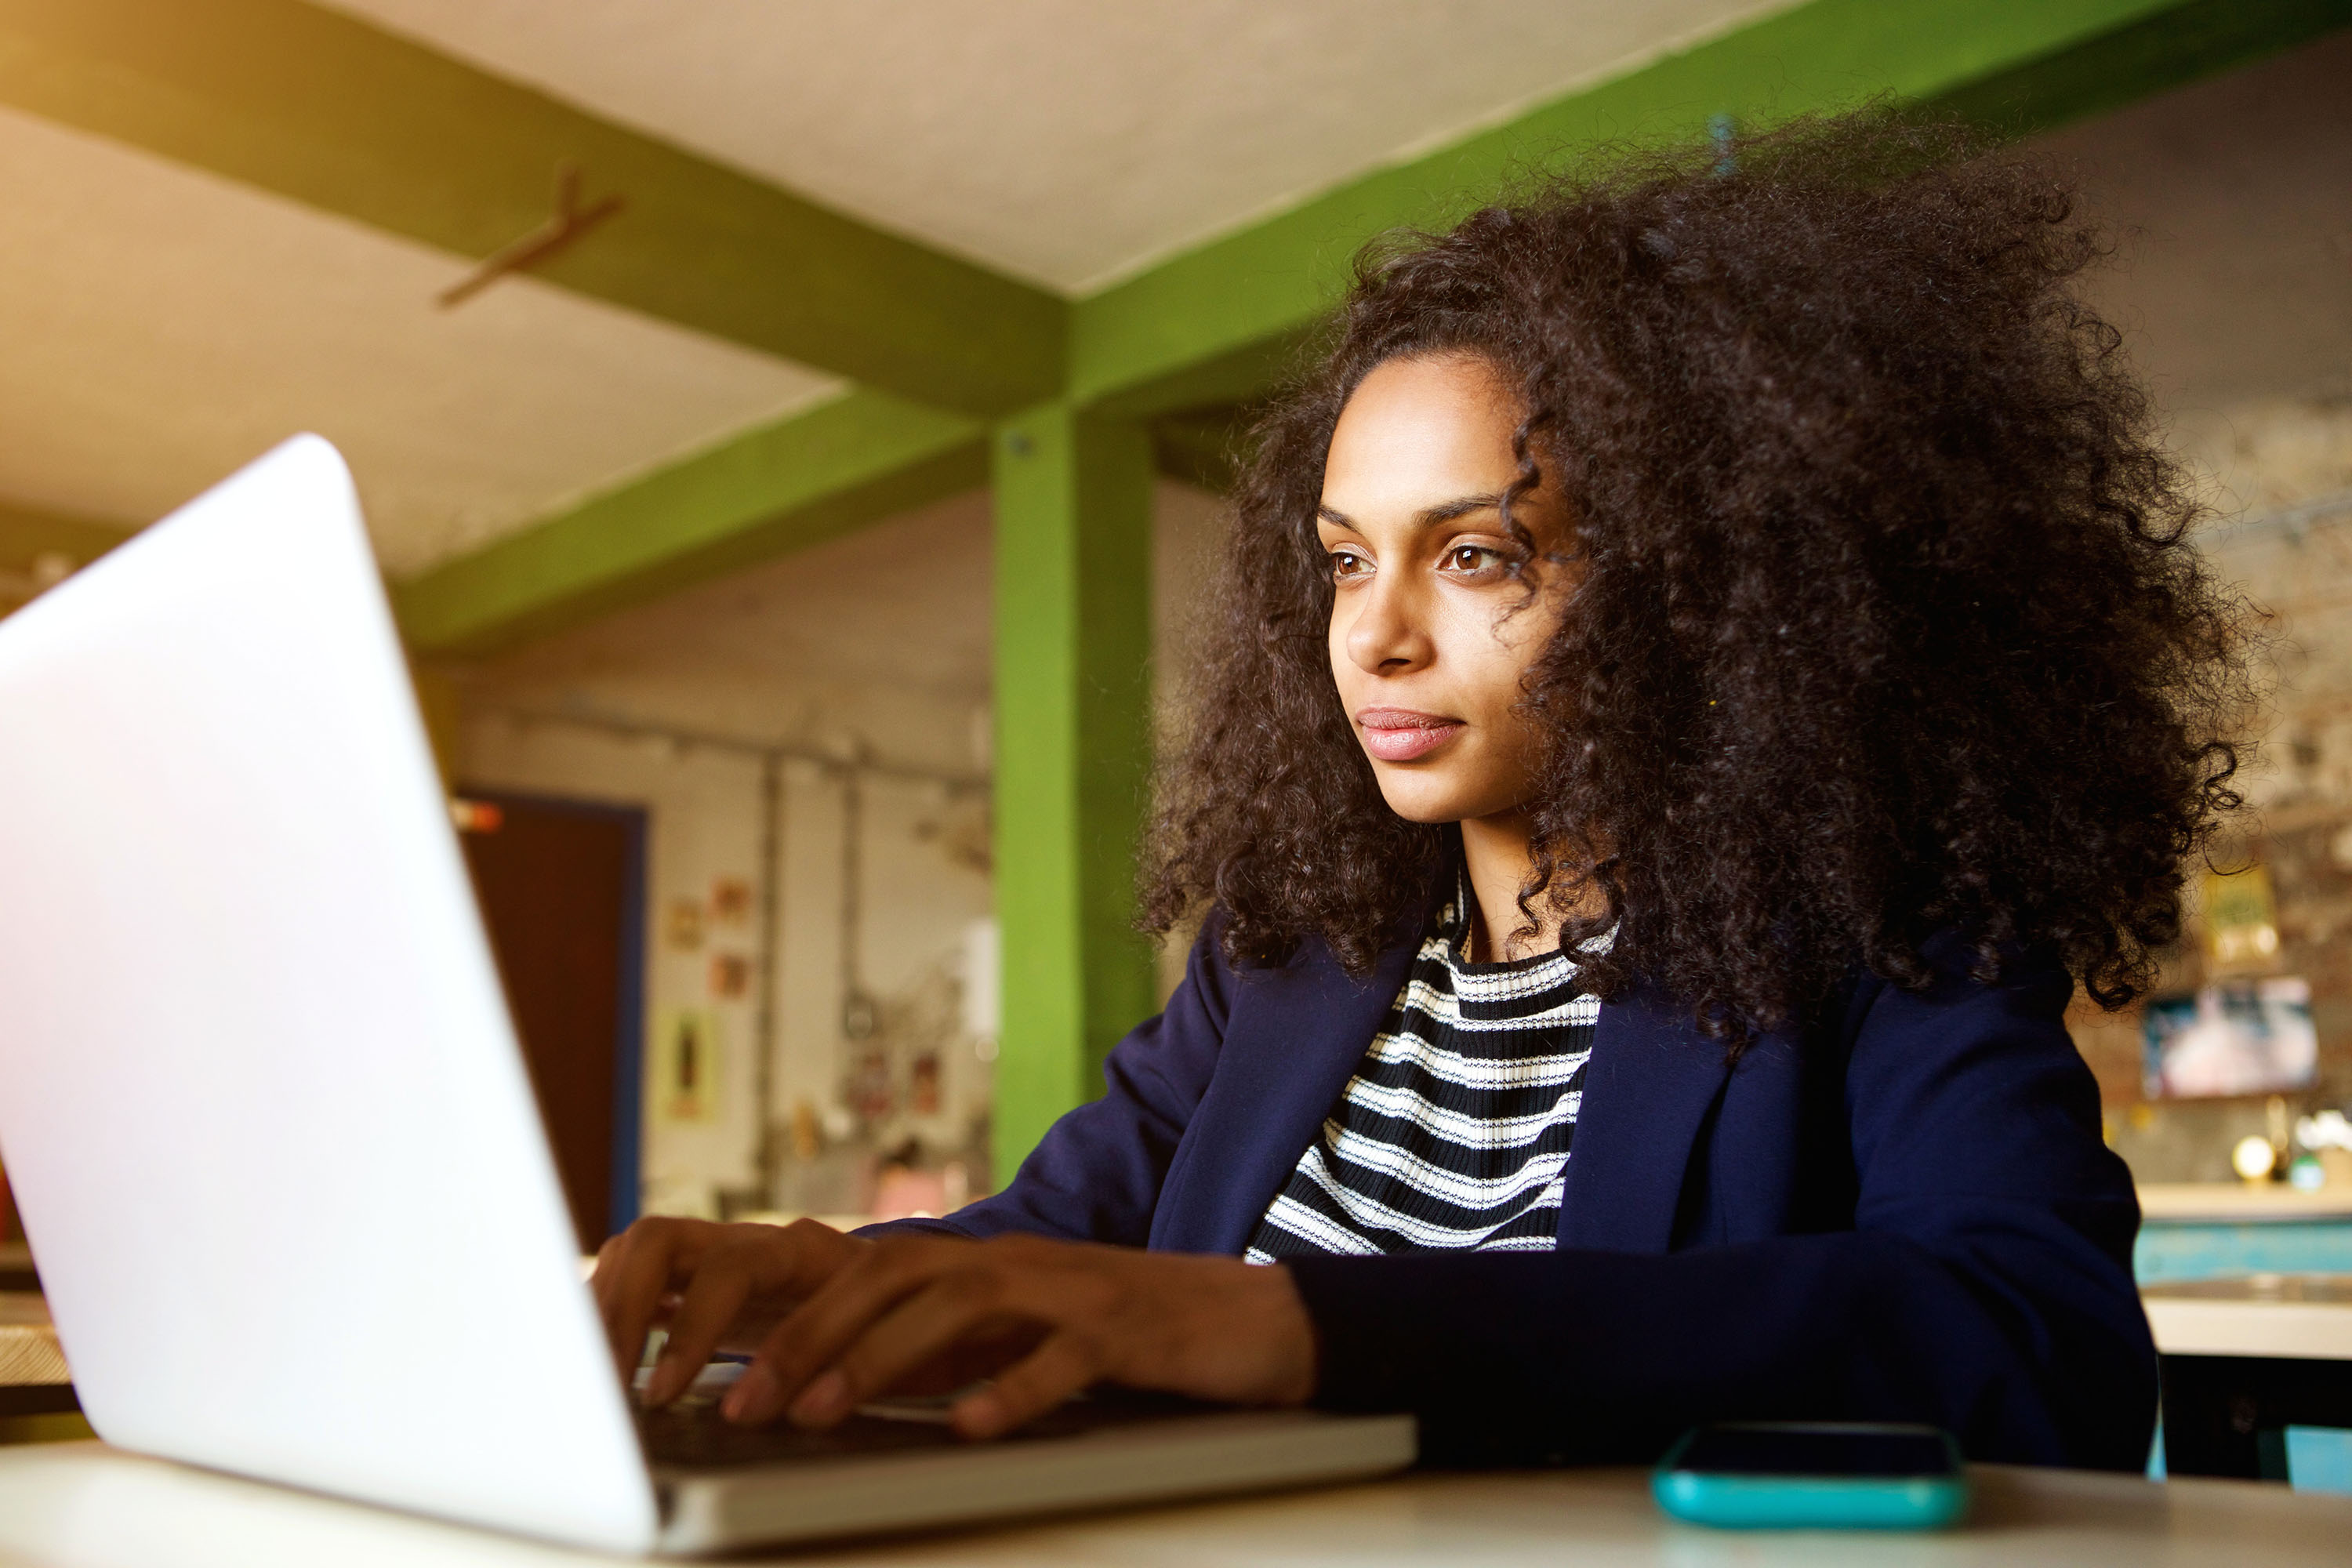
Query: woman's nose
{"points": [[1386, 639]]}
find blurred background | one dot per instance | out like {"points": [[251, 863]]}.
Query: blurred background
{"points": [[794, 434]]}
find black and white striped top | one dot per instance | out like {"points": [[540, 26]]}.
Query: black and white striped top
{"points": [[1453, 1134]]}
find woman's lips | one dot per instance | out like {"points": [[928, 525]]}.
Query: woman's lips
{"points": [[1399, 734]]}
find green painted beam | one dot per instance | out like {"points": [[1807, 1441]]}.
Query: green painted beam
{"points": [[808, 478], [31, 531], [1072, 749], [1197, 328], [329, 111], [1202, 446]]}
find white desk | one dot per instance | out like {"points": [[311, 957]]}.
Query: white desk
{"points": [[2299, 1316], [2241, 1201], [81, 1505]]}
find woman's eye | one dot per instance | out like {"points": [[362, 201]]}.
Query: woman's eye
{"points": [[1471, 559], [1347, 563]]}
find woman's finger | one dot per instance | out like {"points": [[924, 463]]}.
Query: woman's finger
{"points": [[747, 1265], [655, 1252], [600, 1279], [721, 1285], [821, 1328], [964, 1302], [1063, 1365], [982, 1351], [605, 1283]]}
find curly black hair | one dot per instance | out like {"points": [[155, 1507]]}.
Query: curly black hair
{"points": [[1884, 617]]}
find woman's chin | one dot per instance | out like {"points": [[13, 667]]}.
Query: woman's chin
{"points": [[1422, 803]]}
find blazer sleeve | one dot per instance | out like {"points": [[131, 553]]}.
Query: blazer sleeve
{"points": [[1985, 1288], [1097, 1174]]}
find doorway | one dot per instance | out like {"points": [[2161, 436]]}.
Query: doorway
{"points": [[561, 889]]}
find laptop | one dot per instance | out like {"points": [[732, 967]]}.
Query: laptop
{"points": [[271, 1132]]}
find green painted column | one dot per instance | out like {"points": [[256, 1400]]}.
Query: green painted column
{"points": [[1072, 749]]}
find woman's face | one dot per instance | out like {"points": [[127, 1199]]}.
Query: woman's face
{"points": [[1431, 630]]}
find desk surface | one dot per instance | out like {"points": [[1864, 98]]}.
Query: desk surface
{"points": [[2300, 1315], [2240, 1202], [82, 1504]]}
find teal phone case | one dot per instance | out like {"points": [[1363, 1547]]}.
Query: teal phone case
{"points": [[1745, 1501]]}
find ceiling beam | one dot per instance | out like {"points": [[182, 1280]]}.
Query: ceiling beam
{"points": [[1203, 324], [805, 479], [861, 460], [328, 111]]}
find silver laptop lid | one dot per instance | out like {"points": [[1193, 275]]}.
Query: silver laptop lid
{"points": [[259, 1097]]}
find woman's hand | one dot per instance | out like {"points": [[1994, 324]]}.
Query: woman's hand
{"points": [[1054, 1317], [714, 1286]]}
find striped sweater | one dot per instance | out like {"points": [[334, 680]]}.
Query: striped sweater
{"points": [[1453, 1134]]}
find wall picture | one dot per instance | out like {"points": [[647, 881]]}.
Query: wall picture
{"points": [[730, 976], [2240, 916], [2244, 1037], [687, 1065]]}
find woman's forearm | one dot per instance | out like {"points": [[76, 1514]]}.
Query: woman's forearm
{"points": [[1589, 1355]]}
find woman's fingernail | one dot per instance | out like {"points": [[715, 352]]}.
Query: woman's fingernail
{"points": [[821, 1401], [751, 1397], [661, 1385], [978, 1414]]}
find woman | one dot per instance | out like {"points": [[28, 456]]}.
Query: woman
{"points": [[1707, 663]]}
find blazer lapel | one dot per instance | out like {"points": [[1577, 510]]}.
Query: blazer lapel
{"points": [[1295, 1036], [1647, 1091]]}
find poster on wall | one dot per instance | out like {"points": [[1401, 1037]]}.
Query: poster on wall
{"points": [[2237, 1036], [682, 925], [730, 976], [2239, 914], [686, 1066]]}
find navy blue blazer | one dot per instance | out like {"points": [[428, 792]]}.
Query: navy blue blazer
{"points": [[1902, 1210]]}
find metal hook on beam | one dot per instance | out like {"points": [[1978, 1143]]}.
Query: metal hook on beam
{"points": [[549, 238]]}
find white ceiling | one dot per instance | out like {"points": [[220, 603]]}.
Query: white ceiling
{"points": [[1068, 141], [162, 326]]}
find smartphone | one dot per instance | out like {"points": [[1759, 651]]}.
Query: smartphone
{"points": [[1793, 1475]]}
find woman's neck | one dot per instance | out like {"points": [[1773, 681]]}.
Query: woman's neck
{"points": [[1495, 856]]}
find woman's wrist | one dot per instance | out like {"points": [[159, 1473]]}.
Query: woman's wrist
{"points": [[1294, 1349]]}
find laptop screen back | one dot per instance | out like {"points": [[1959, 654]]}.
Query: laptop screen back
{"points": [[264, 1115]]}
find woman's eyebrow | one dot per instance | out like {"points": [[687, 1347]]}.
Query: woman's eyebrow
{"points": [[1428, 517], [1461, 507]]}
